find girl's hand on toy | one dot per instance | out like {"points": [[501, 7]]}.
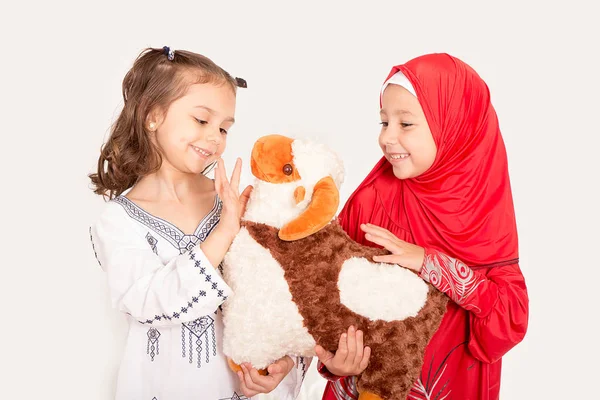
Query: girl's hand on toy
{"points": [[403, 253], [351, 358], [252, 383]]}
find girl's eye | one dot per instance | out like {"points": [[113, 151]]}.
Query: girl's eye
{"points": [[406, 125], [382, 123], [201, 122], [223, 131]]}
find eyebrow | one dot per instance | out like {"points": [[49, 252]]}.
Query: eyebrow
{"points": [[397, 112], [210, 110]]}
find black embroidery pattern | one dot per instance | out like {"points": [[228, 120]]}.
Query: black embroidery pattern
{"points": [[235, 396], [301, 363], [190, 304], [153, 335], [170, 232], [94, 248], [152, 242], [208, 278], [185, 244], [197, 331], [160, 226], [221, 271], [188, 243], [175, 315], [204, 229]]}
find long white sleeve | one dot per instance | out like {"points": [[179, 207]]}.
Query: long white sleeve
{"points": [[141, 285]]}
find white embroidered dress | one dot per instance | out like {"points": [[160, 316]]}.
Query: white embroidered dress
{"points": [[171, 295]]}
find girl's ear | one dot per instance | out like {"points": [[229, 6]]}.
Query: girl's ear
{"points": [[154, 119]]}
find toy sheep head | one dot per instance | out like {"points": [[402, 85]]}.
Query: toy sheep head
{"points": [[297, 186]]}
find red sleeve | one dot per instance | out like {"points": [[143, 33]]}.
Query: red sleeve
{"points": [[496, 299], [324, 372]]}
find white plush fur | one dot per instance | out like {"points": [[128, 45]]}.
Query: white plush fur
{"points": [[316, 161], [268, 323], [274, 204], [381, 291]]}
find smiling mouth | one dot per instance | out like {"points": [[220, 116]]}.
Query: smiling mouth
{"points": [[202, 152], [399, 156]]}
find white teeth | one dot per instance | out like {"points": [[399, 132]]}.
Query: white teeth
{"points": [[204, 153], [399, 156]]}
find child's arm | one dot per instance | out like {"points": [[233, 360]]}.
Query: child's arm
{"points": [[496, 299], [234, 205], [186, 288]]}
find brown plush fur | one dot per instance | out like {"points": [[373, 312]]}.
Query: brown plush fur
{"points": [[312, 266]]}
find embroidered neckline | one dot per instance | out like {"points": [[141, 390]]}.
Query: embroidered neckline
{"points": [[169, 231]]}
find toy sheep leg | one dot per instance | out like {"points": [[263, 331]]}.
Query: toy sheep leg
{"points": [[237, 368]]}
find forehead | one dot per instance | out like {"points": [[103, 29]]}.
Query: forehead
{"points": [[216, 96], [397, 96]]}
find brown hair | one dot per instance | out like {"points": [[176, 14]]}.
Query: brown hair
{"points": [[158, 77]]}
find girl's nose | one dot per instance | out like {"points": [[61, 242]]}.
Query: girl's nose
{"points": [[388, 136], [214, 135]]}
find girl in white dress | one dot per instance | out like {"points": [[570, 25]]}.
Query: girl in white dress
{"points": [[166, 229]]}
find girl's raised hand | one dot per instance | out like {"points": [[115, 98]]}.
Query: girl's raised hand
{"points": [[403, 253], [234, 203]]}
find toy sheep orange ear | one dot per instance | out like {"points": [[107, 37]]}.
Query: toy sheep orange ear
{"points": [[322, 208]]}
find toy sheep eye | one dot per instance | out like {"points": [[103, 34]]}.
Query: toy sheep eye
{"points": [[287, 169]]}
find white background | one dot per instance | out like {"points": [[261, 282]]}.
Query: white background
{"points": [[312, 70]]}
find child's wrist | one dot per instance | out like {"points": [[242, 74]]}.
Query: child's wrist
{"points": [[229, 231]]}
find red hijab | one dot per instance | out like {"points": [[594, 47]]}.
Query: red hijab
{"points": [[462, 205]]}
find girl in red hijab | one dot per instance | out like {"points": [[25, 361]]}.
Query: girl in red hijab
{"points": [[440, 201]]}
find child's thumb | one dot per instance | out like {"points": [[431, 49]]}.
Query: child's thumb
{"points": [[323, 355], [244, 197]]}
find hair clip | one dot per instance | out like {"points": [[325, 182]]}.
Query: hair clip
{"points": [[241, 83], [169, 53]]}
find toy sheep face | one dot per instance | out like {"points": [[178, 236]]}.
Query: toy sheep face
{"points": [[311, 170], [272, 160]]}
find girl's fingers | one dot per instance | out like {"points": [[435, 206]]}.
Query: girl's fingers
{"points": [[378, 231], [359, 348], [365, 359], [376, 228], [351, 345], [247, 392], [323, 355], [263, 382], [386, 243], [342, 350], [244, 197], [389, 259], [218, 183], [249, 382], [220, 172], [235, 176]]}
